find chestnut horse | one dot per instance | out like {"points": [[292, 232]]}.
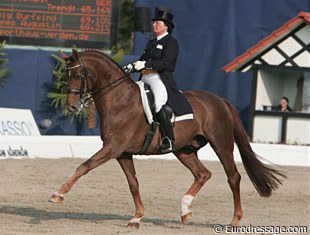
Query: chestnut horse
{"points": [[123, 126]]}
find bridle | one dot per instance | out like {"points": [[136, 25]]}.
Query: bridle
{"points": [[89, 97]]}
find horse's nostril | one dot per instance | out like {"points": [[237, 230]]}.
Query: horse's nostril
{"points": [[71, 108], [75, 108]]}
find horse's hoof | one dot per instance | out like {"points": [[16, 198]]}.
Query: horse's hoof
{"points": [[186, 218], [133, 225], [56, 198], [234, 223], [236, 219]]}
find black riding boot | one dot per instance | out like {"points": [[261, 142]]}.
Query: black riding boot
{"points": [[167, 131]]}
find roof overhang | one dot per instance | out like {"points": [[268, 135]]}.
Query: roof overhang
{"points": [[241, 63]]}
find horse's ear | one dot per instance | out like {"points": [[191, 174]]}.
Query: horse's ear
{"points": [[75, 55], [64, 56]]}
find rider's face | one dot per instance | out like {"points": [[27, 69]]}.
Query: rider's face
{"points": [[159, 27]]}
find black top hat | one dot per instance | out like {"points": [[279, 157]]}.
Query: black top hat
{"points": [[164, 14]]}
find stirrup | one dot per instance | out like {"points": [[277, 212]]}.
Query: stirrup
{"points": [[167, 145]]}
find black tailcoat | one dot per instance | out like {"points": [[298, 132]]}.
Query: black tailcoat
{"points": [[161, 55]]}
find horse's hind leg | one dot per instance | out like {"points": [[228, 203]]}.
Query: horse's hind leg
{"points": [[201, 175], [128, 167], [226, 157]]}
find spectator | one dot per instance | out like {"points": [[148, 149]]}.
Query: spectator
{"points": [[283, 106]]}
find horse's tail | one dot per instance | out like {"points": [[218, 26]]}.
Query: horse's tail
{"points": [[264, 178]]}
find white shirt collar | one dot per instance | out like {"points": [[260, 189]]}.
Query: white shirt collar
{"points": [[161, 36]]}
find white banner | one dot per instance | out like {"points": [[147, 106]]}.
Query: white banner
{"points": [[86, 146], [17, 122]]}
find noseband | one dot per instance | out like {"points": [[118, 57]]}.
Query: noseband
{"points": [[86, 100]]}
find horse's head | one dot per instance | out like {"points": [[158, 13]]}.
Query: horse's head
{"points": [[76, 76], [92, 80]]}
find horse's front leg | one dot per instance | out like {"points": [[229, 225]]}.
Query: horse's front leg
{"points": [[128, 167], [106, 153]]}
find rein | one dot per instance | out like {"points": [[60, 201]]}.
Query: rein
{"points": [[85, 101]]}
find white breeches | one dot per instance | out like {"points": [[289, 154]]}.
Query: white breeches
{"points": [[158, 88]]}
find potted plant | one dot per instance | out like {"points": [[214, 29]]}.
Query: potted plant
{"points": [[4, 72]]}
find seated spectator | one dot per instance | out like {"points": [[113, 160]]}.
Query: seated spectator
{"points": [[283, 106]]}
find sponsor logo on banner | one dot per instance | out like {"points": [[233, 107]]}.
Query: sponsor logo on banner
{"points": [[14, 152], [17, 122]]}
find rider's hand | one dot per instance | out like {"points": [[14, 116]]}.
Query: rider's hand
{"points": [[138, 65], [129, 68]]}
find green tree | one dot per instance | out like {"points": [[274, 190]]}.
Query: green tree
{"points": [[4, 72], [124, 42]]}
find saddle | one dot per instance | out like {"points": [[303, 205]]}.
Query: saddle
{"points": [[147, 98]]}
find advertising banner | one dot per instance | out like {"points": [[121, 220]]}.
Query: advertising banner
{"points": [[17, 122]]}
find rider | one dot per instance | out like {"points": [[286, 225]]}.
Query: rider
{"points": [[157, 65]]}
